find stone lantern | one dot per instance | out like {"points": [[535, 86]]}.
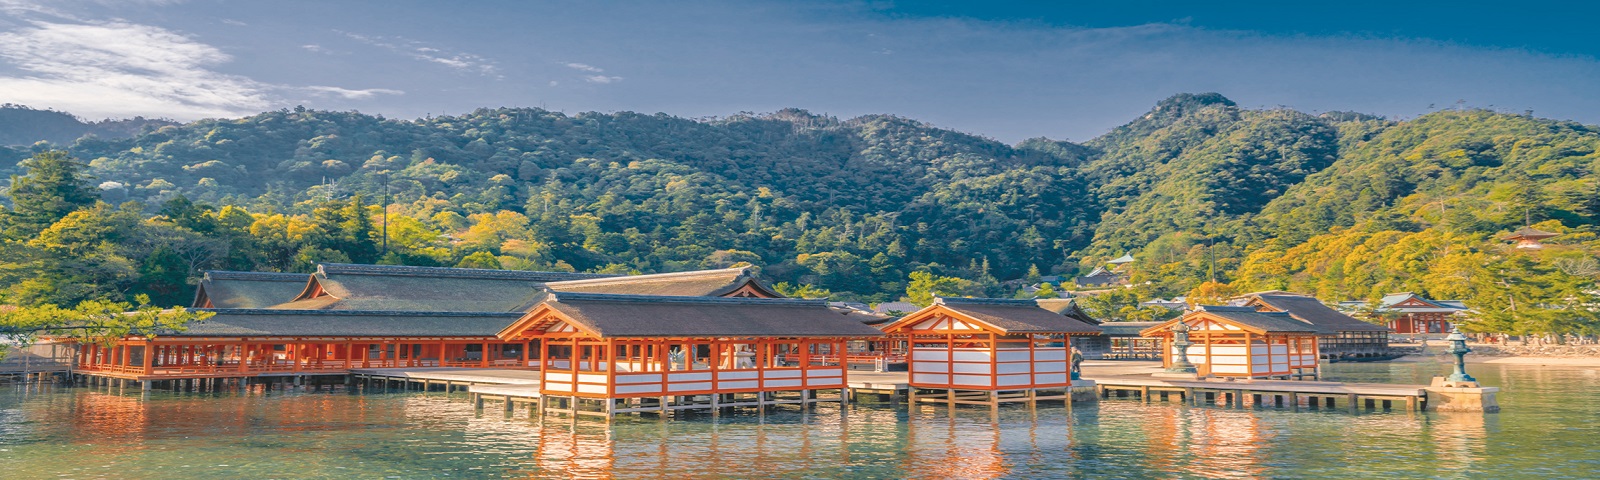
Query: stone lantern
{"points": [[1458, 347], [1180, 341], [1460, 392]]}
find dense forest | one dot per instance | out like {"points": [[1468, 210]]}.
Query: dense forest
{"points": [[21, 125], [1340, 205]]}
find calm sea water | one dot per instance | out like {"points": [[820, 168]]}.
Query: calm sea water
{"points": [[1550, 427]]}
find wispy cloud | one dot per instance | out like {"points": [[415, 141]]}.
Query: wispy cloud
{"points": [[235, 23], [465, 62], [353, 94], [54, 8], [120, 69], [598, 77]]}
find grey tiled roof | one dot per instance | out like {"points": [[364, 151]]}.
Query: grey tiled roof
{"points": [[1016, 316], [329, 323], [434, 289], [1125, 329], [225, 289], [1067, 307], [449, 272], [1312, 311], [1266, 321], [613, 315], [700, 283]]}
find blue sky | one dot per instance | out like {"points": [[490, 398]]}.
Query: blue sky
{"points": [[1007, 70]]}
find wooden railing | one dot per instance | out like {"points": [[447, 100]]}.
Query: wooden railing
{"points": [[289, 366]]}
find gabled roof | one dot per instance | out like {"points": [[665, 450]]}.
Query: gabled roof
{"points": [[404, 288], [1125, 258], [257, 322], [1245, 317], [225, 289], [1392, 303], [1125, 329], [1066, 307], [1004, 315], [1530, 233], [902, 307], [1311, 311], [701, 283], [651, 316]]}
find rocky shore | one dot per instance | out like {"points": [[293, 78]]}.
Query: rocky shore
{"points": [[1554, 355]]}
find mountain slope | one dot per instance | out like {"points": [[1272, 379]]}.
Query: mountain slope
{"points": [[20, 125]]}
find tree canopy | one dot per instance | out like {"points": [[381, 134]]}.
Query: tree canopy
{"points": [[875, 208]]}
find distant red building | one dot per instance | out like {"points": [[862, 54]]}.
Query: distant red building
{"points": [[1409, 313]]}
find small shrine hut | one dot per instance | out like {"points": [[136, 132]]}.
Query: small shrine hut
{"points": [[1226, 341], [985, 351], [604, 354]]}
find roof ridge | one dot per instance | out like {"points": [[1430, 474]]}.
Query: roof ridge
{"points": [[616, 297], [414, 271], [241, 275], [985, 301], [1229, 308], [648, 276], [395, 313]]}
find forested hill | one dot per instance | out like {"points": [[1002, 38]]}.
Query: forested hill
{"points": [[20, 125], [854, 206]]}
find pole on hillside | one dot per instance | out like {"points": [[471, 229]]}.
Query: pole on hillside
{"points": [[1210, 253], [385, 203]]}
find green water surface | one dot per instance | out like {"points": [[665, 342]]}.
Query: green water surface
{"points": [[1550, 427]]}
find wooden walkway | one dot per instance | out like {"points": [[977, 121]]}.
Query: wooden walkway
{"points": [[1280, 393], [522, 386], [450, 378]]}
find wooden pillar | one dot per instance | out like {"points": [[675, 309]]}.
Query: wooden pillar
{"points": [[149, 360], [483, 360], [611, 374], [994, 363], [1250, 355]]}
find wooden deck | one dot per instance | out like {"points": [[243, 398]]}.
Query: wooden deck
{"points": [[1239, 393], [450, 378]]}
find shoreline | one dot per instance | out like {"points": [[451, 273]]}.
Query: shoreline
{"points": [[1508, 360]]}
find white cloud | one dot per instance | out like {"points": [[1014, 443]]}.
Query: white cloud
{"points": [[584, 67], [352, 94], [602, 79], [53, 8], [122, 69], [465, 62], [235, 23], [312, 47]]}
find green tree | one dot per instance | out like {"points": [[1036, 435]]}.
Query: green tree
{"points": [[56, 184], [801, 291], [480, 260], [96, 321], [925, 285], [163, 275]]}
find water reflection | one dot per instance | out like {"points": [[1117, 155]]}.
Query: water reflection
{"points": [[1460, 440], [1546, 428]]}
